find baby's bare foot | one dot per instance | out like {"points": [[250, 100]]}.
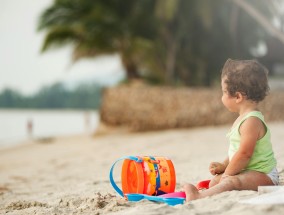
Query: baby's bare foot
{"points": [[191, 192]]}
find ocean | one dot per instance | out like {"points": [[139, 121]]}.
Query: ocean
{"points": [[19, 125]]}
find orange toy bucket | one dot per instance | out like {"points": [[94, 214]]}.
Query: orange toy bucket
{"points": [[151, 175]]}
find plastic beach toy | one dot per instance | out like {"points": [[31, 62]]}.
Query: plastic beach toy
{"points": [[171, 199], [174, 195], [151, 178], [203, 185], [151, 175], [134, 197]]}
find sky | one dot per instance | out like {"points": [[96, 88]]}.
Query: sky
{"points": [[25, 69]]}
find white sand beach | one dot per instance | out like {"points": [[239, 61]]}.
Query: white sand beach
{"points": [[70, 175]]}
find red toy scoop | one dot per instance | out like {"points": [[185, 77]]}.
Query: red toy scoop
{"points": [[203, 185]]}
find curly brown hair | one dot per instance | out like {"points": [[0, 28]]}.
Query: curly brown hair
{"points": [[248, 77]]}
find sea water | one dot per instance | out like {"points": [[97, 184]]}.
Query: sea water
{"points": [[19, 125]]}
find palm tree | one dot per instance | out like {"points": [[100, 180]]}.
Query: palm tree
{"points": [[99, 27], [264, 21], [171, 41], [264, 14]]}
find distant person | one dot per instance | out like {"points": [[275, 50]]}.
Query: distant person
{"points": [[30, 128], [250, 162], [88, 121]]}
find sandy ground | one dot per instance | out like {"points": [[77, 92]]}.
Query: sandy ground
{"points": [[70, 175]]}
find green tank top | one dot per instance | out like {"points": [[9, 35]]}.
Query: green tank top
{"points": [[263, 159]]}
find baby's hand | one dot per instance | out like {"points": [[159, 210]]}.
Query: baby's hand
{"points": [[216, 168]]}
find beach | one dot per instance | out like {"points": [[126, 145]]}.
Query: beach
{"points": [[70, 174]]}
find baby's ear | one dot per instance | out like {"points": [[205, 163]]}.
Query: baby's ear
{"points": [[239, 97]]}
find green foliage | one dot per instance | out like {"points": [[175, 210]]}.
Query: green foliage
{"points": [[85, 96], [10, 98], [165, 41]]}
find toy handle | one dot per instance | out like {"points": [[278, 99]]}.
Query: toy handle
{"points": [[119, 191]]}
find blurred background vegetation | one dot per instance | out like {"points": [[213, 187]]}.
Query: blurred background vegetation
{"points": [[56, 96], [162, 42], [172, 42]]}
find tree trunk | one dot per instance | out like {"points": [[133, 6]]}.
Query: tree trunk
{"points": [[171, 62], [262, 20], [234, 31], [131, 69]]}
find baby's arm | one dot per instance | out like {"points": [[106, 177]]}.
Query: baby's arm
{"points": [[250, 132]]}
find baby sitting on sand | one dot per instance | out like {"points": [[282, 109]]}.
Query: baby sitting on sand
{"points": [[250, 162]]}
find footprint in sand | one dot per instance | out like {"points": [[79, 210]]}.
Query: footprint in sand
{"points": [[20, 205]]}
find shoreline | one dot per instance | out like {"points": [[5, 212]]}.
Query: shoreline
{"points": [[23, 125]]}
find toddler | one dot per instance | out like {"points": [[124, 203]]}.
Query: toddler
{"points": [[250, 162]]}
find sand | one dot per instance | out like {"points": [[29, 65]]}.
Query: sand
{"points": [[70, 175]]}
